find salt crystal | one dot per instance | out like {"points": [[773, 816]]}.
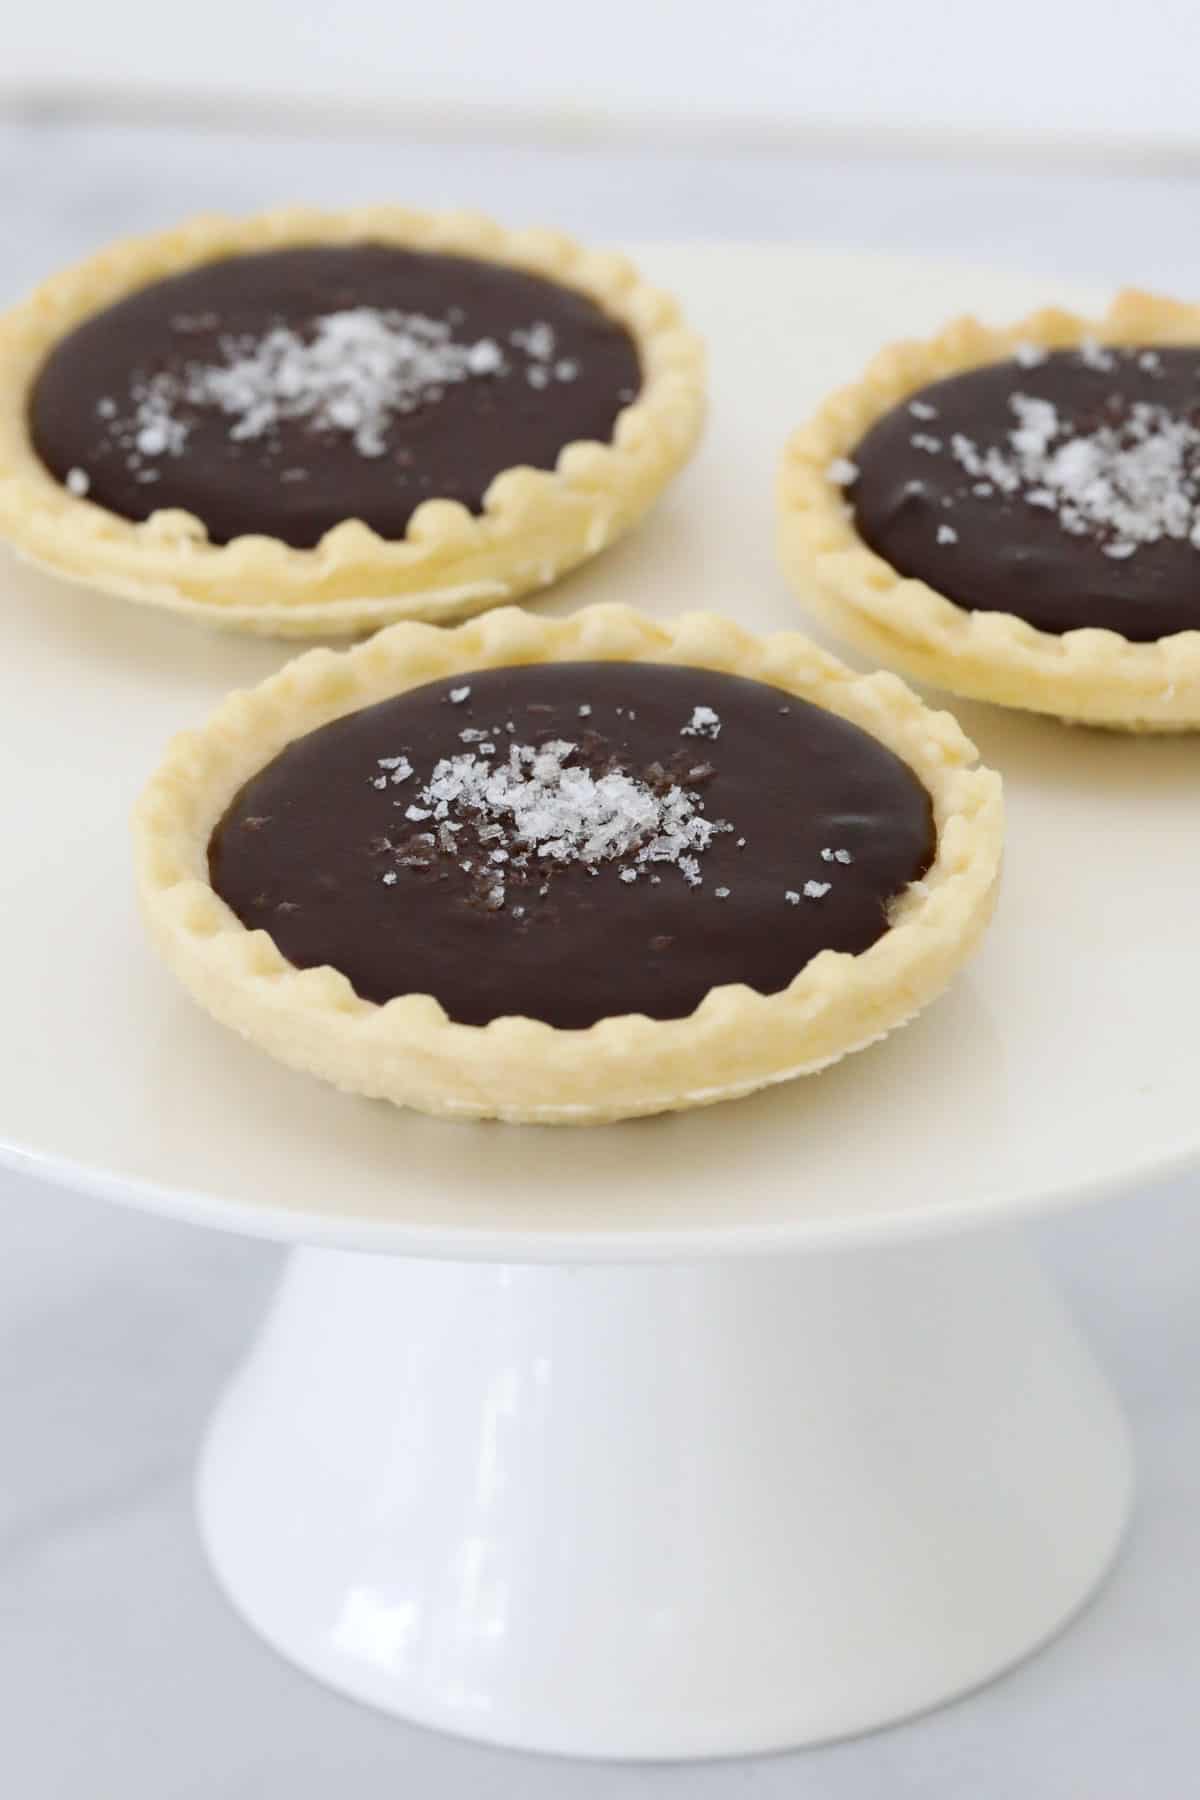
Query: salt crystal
{"points": [[538, 802], [537, 340], [946, 534], [484, 358], [842, 472], [351, 371], [458, 695], [816, 890], [1094, 356], [152, 439], [1130, 480], [704, 722], [78, 482]]}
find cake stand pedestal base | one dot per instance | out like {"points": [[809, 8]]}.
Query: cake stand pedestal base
{"points": [[666, 1510]]}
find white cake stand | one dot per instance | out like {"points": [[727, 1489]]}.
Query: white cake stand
{"points": [[699, 1435]]}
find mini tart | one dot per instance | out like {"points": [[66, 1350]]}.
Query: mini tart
{"points": [[515, 1067], [1091, 674], [519, 531]]}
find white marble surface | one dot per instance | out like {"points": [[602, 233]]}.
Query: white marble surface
{"points": [[69, 184], [123, 1673], [1024, 66]]}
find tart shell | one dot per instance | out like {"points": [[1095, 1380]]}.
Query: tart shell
{"points": [[1089, 676], [408, 1051], [536, 524]]}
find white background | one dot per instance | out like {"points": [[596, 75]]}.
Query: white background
{"points": [[123, 1674], [1054, 67]]}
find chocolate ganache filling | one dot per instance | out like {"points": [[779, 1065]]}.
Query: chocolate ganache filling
{"points": [[570, 841], [1063, 487], [286, 391]]}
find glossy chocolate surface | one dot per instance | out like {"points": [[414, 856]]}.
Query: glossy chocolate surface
{"points": [[1064, 552], [815, 828], [490, 368]]}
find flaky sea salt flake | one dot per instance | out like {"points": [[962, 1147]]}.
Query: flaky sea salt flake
{"points": [[398, 767], [704, 722], [539, 802], [1094, 356]]}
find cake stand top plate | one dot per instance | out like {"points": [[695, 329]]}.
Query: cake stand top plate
{"points": [[1064, 1063]]}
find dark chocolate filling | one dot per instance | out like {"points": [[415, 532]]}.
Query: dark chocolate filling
{"points": [[458, 370], [1105, 535], [813, 825]]}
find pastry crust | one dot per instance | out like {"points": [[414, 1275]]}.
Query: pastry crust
{"points": [[1089, 676], [536, 524], [408, 1051]]}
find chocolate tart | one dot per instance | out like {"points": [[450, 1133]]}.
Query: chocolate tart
{"points": [[311, 422], [1013, 513], [568, 871]]}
